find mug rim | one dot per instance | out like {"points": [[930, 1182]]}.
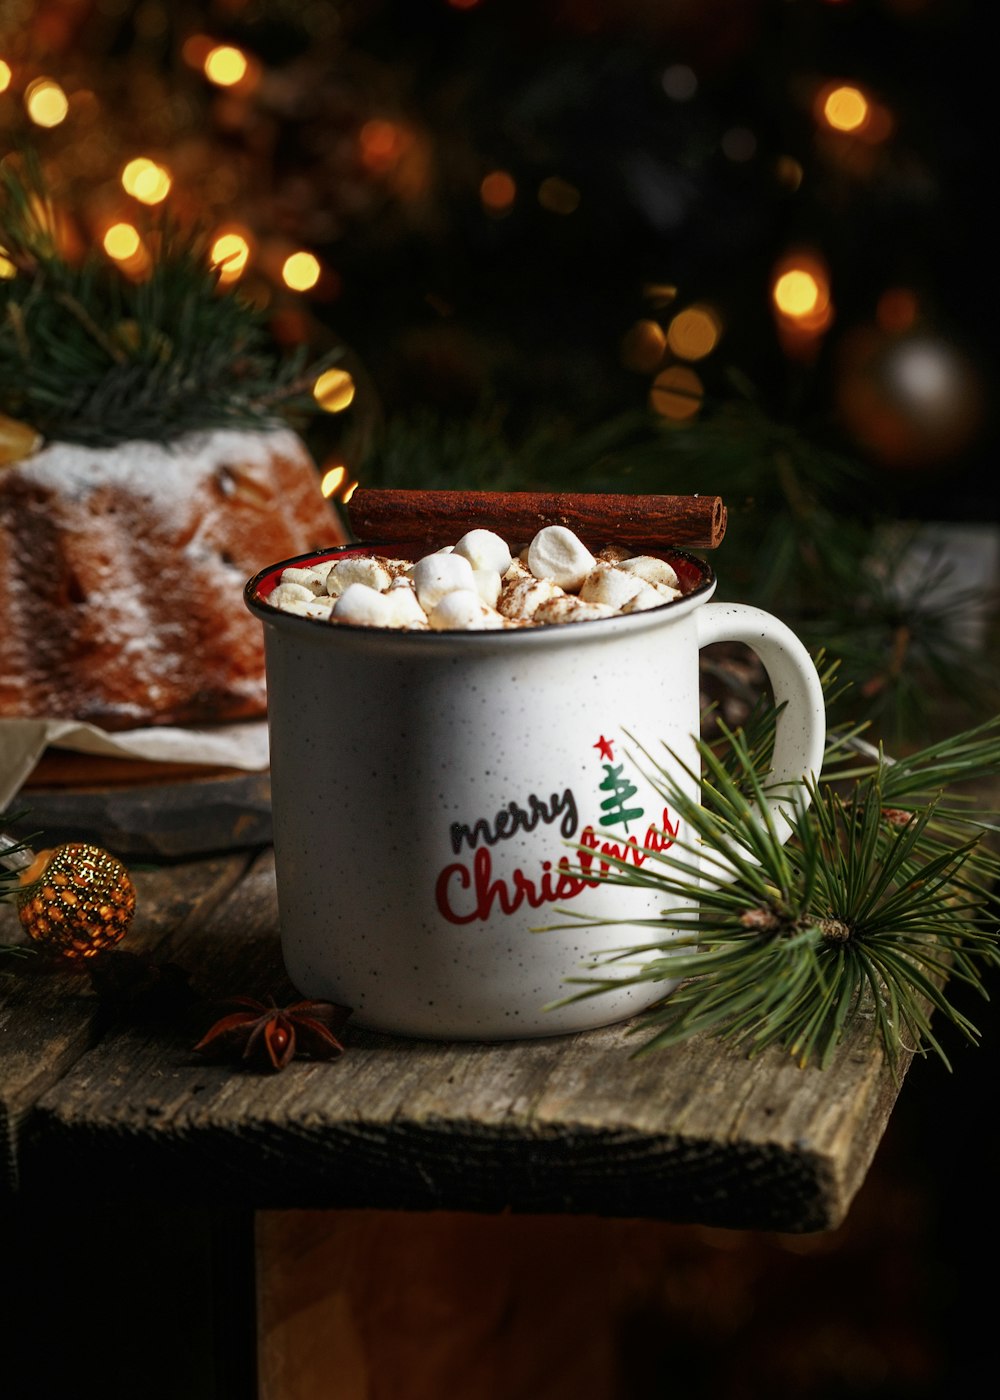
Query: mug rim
{"points": [[648, 617]]}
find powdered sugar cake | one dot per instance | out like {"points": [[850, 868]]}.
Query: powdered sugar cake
{"points": [[118, 568]]}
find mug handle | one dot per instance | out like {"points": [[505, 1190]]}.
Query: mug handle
{"points": [[800, 736]]}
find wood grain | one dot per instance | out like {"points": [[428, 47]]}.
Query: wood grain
{"points": [[49, 1017], [441, 517], [566, 1124]]}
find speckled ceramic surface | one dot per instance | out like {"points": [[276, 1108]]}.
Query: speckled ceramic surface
{"points": [[430, 792]]}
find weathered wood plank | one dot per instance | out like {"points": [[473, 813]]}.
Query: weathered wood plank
{"points": [[567, 1124], [49, 1017]]}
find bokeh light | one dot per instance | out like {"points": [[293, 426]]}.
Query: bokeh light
{"points": [[334, 390], [796, 293], [676, 393], [7, 268], [45, 102], [146, 181], [332, 479], [5, 76], [800, 290], [694, 332], [381, 144], [225, 66], [121, 242], [230, 253], [844, 108], [498, 192], [300, 271]]}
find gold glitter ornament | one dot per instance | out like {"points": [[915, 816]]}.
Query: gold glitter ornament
{"points": [[76, 901]]}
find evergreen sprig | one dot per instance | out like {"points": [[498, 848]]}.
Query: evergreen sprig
{"points": [[883, 896], [89, 355]]}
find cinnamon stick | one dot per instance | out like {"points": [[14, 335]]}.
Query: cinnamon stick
{"points": [[437, 518]]}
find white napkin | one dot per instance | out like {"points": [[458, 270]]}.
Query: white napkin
{"points": [[23, 741]]}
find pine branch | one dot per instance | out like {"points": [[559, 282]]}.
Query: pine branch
{"points": [[859, 914], [88, 355]]}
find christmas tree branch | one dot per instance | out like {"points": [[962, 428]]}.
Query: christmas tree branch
{"points": [[863, 912]]}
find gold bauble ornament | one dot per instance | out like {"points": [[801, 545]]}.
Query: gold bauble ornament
{"points": [[76, 901]]}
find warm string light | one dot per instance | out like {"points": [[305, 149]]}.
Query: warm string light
{"points": [[676, 393], [300, 271], [6, 75], [332, 480], [334, 390], [694, 332], [845, 109], [146, 181], [122, 242], [225, 65], [336, 481], [45, 102], [230, 253], [800, 295]]}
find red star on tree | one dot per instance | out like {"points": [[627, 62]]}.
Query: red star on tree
{"points": [[604, 747]]}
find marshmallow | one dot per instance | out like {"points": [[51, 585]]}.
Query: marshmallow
{"points": [[463, 610], [519, 601], [363, 606], [305, 578], [647, 597], [286, 593], [323, 567], [484, 550], [487, 585], [404, 610], [653, 570], [320, 607], [608, 584], [368, 571], [571, 608], [555, 553], [437, 574]]}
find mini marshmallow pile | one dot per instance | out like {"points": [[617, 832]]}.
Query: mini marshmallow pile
{"points": [[478, 583]]}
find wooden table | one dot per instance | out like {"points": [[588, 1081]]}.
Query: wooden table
{"points": [[400, 1152], [574, 1124]]}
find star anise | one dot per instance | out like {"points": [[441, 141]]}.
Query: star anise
{"points": [[270, 1036]]}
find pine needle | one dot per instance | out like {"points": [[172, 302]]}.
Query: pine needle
{"points": [[863, 914]]}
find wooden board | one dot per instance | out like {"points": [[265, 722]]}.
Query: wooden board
{"points": [[137, 808], [569, 1124]]}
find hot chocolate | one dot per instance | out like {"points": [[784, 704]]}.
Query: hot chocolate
{"points": [[480, 583]]}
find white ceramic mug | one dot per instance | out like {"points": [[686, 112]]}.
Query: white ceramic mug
{"points": [[431, 791]]}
